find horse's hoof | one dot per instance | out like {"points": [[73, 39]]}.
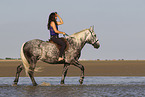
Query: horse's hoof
{"points": [[15, 84], [81, 82], [35, 84], [62, 82]]}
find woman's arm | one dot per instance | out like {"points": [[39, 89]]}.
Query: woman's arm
{"points": [[55, 29], [61, 21]]}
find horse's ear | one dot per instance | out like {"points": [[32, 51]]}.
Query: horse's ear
{"points": [[92, 28]]}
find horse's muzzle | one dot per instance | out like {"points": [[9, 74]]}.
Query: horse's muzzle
{"points": [[96, 45]]}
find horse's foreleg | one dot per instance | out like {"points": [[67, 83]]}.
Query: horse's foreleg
{"points": [[77, 64], [64, 72], [19, 69]]}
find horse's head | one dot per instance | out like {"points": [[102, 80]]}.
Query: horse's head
{"points": [[92, 38]]}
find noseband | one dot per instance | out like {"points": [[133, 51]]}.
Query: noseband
{"points": [[95, 42]]}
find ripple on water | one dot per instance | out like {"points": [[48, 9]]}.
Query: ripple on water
{"points": [[93, 86]]}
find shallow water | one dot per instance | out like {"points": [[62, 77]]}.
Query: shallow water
{"points": [[92, 87]]}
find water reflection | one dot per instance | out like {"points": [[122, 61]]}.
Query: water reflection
{"points": [[93, 86]]}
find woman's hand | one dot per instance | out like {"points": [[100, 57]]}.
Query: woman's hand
{"points": [[63, 33], [61, 21]]}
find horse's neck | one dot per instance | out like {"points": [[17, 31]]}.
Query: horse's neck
{"points": [[80, 38]]}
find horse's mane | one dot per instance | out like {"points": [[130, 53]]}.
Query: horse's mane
{"points": [[79, 32]]}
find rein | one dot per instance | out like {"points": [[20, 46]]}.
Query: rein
{"points": [[65, 35]]}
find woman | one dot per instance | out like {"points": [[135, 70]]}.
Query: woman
{"points": [[54, 32]]}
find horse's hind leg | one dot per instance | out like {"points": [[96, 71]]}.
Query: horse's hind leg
{"points": [[31, 74], [19, 69], [64, 72], [77, 64], [31, 70]]}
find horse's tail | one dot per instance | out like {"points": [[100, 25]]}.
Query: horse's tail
{"points": [[24, 60], [26, 63]]}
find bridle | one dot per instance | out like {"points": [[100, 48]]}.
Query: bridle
{"points": [[94, 38]]}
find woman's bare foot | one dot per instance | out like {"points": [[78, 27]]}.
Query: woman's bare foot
{"points": [[60, 59]]}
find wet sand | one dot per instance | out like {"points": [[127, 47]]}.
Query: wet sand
{"points": [[92, 68]]}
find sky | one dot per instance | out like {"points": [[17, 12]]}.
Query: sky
{"points": [[118, 24]]}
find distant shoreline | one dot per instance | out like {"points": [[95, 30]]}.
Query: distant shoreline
{"points": [[8, 60]]}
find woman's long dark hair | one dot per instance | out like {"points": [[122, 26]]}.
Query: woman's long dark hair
{"points": [[51, 18]]}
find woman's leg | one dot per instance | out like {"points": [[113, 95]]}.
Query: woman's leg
{"points": [[61, 43]]}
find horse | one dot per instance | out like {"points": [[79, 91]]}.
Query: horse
{"points": [[36, 49]]}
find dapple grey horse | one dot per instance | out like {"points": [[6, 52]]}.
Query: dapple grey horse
{"points": [[36, 49]]}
